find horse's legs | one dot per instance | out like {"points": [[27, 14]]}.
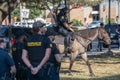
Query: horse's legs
{"points": [[85, 58], [72, 59]]}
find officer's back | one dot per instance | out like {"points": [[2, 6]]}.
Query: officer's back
{"points": [[36, 44], [36, 52]]}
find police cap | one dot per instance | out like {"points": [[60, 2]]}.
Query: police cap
{"points": [[38, 24], [63, 7]]}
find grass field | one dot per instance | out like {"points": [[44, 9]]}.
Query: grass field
{"points": [[105, 67]]}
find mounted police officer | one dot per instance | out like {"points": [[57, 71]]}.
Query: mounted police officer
{"points": [[55, 58], [64, 27], [17, 56], [36, 53], [6, 62]]}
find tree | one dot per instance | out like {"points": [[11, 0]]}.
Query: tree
{"points": [[5, 7], [34, 11], [16, 12], [43, 4]]}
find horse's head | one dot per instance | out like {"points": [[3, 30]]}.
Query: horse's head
{"points": [[69, 40], [103, 35]]}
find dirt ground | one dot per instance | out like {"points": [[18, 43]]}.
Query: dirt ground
{"points": [[105, 67]]}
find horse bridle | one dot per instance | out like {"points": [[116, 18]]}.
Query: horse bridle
{"points": [[100, 34]]}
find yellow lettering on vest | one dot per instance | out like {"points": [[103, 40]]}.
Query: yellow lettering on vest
{"points": [[34, 44]]}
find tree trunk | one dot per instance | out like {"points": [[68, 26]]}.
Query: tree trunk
{"points": [[4, 9]]}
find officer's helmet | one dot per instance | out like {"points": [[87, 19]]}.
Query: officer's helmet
{"points": [[63, 7]]}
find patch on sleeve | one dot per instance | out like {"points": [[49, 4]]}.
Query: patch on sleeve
{"points": [[14, 49], [62, 17], [50, 45]]}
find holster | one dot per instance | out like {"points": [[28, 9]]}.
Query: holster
{"points": [[57, 67], [22, 72], [50, 68], [8, 76]]}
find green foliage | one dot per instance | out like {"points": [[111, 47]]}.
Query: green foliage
{"points": [[112, 20], [36, 6], [84, 2], [34, 11], [74, 28], [76, 22], [16, 12]]}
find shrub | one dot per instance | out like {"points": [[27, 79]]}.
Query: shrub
{"points": [[112, 20], [76, 22]]}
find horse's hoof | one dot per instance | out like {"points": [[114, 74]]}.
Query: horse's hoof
{"points": [[70, 74], [92, 75]]}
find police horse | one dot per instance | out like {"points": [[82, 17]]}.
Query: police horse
{"points": [[78, 42]]}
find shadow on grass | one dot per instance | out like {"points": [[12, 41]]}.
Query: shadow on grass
{"points": [[118, 62], [112, 77], [101, 59], [67, 71]]}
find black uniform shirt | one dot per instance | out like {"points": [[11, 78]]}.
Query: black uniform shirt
{"points": [[17, 53], [36, 46], [61, 19], [54, 51]]}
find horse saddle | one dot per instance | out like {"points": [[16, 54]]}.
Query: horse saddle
{"points": [[59, 39]]}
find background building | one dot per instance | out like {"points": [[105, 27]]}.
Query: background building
{"points": [[114, 10], [87, 14]]}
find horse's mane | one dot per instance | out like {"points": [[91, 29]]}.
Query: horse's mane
{"points": [[89, 32]]}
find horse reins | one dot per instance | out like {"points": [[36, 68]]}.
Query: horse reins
{"points": [[85, 46], [89, 40]]}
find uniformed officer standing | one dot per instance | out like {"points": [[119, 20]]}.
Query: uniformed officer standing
{"points": [[6, 62], [36, 53], [17, 56], [55, 58]]}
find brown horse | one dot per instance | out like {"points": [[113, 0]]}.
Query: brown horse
{"points": [[78, 42]]}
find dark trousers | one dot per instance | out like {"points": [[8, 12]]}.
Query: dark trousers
{"points": [[41, 75], [22, 74], [54, 73], [6, 76], [66, 34], [63, 31]]}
